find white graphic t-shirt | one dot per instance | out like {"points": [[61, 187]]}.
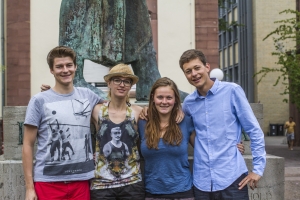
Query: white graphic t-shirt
{"points": [[63, 140]]}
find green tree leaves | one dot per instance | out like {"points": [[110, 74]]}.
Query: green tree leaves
{"points": [[288, 59]]}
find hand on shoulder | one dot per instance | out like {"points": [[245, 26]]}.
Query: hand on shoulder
{"points": [[45, 87]]}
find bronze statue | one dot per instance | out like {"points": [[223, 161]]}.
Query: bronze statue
{"points": [[109, 32]]}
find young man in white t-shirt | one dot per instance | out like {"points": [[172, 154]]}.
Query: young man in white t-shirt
{"points": [[62, 110]]}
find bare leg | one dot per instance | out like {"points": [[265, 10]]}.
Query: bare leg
{"points": [[291, 144]]}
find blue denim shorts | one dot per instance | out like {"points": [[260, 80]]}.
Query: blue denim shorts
{"points": [[290, 136]]}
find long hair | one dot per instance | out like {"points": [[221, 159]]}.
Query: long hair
{"points": [[173, 135]]}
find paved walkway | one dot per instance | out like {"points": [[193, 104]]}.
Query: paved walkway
{"points": [[276, 145]]}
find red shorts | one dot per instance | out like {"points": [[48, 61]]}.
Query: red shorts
{"points": [[73, 190]]}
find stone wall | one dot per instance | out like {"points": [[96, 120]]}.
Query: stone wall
{"points": [[271, 185], [11, 116]]}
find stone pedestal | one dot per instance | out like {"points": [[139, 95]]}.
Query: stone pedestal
{"points": [[271, 185], [11, 116], [12, 183]]}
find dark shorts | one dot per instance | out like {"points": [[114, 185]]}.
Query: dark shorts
{"points": [[187, 195], [230, 193], [134, 191]]}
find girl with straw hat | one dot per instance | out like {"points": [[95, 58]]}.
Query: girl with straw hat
{"points": [[117, 172]]}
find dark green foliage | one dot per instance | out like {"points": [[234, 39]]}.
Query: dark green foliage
{"points": [[287, 32]]}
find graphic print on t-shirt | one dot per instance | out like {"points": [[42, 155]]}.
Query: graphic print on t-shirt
{"points": [[117, 150], [69, 150]]}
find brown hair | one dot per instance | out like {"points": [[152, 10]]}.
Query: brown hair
{"points": [[173, 135], [60, 52], [191, 54]]}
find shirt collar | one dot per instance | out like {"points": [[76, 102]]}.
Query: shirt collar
{"points": [[212, 90]]}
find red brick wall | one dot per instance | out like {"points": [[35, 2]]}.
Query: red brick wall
{"points": [[152, 7], [18, 52], [206, 30]]}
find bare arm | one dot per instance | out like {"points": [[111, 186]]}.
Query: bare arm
{"points": [[30, 134], [95, 115], [137, 111], [241, 147], [192, 138], [286, 125]]}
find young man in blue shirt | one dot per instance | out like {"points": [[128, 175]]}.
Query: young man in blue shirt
{"points": [[220, 110]]}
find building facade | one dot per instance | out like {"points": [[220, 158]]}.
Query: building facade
{"points": [[31, 30], [243, 53]]}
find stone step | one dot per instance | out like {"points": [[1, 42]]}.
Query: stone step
{"points": [[292, 172], [292, 178]]}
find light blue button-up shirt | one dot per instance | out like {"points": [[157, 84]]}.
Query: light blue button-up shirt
{"points": [[219, 118]]}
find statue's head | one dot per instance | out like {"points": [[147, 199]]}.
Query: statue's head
{"points": [[60, 52]]}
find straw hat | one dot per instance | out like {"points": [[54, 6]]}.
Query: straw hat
{"points": [[122, 70]]}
